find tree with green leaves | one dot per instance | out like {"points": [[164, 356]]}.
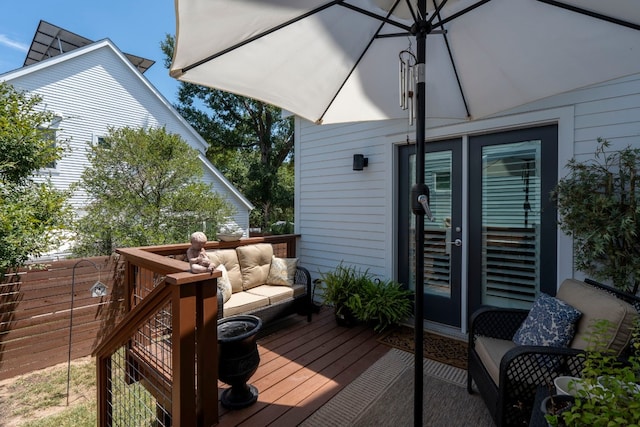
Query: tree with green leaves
{"points": [[31, 213], [249, 141], [145, 188]]}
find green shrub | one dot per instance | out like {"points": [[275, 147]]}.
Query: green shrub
{"points": [[598, 203], [281, 227], [343, 287], [383, 304], [611, 397]]}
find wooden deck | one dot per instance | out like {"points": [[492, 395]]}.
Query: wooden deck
{"points": [[302, 366]]}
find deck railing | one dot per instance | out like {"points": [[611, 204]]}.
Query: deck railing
{"points": [[158, 366]]}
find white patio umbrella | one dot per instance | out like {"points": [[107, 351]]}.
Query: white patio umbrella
{"points": [[337, 61]]}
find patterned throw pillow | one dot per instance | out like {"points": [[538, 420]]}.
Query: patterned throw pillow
{"points": [[282, 271], [224, 284], [551, 322]]}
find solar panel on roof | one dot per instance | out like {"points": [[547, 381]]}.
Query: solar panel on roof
{"points": [[51, 40]]}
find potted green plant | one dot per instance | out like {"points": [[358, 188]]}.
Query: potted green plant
{"points": [[358, 296], [342, 288], [382, 303], [609, 394], [598, 206]]}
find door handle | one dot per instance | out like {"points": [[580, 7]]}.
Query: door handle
{"points": [[424, 201], [456, 242]]}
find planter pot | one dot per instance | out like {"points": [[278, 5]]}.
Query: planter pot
{"points": [[556, 404], [576, 386], [607, 382], [229, 237], [238, 359], [570, 385], [346, 318]]}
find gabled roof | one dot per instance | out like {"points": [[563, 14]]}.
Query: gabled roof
{"points": [[107, 44], [51, 40]]}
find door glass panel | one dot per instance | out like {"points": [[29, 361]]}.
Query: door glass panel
{"points": [[511, 217], [437, 233]]}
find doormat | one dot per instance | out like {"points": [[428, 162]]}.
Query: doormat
{"points": [[436, 347]]}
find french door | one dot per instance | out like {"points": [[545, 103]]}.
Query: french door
{"points": [[509, 250], [442, 234], [512, 221]]}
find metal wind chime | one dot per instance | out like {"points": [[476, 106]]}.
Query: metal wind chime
{"points": [[408, 77]]}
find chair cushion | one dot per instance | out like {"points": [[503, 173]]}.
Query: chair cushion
{"points": [[229, 258], [550, 322], [224, 285], [597, 304], [282, 271], [490, 351], [255, 262]]}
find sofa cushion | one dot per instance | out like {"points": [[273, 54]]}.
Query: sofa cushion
{"points": [[490, 352], [255, 262], [224, 285], [282, 271], [229, 258], [274, 293], [597, 304], [242, 302], [550, 322]]}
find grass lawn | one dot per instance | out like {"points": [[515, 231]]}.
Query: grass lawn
{"points": [[39, 398]]}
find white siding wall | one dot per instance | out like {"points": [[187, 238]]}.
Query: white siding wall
{"points": [[342, 214], [348, 215], [610, 110], [94, 91]]}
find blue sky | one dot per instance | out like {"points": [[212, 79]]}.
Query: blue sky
{"points": [[134, 26]]}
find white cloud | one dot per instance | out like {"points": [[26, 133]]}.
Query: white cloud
{"points": [[6, 41]]}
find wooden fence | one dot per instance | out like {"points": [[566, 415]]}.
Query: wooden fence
{"points": [[36, 320], [37, 323]]}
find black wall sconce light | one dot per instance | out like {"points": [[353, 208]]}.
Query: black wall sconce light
{"points": [[360, 162]]}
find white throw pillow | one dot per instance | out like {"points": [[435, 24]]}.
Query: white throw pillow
{"points": [[224, 284]]}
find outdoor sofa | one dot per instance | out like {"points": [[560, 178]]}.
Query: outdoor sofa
{"points": [[254, 281], [507, 374]]}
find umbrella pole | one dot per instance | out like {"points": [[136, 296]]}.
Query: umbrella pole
{"points": [[421, 36]]}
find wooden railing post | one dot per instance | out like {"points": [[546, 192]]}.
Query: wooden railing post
{"points": [[183, 340], [103, 367], [207, 349], [194, 318], [129, 278], [291, 247]]}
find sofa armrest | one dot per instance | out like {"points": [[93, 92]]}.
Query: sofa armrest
{"points": [[525, 368], [536, 364], [304, 278], [220, 307]]}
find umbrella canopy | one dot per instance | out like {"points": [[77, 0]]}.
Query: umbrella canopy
{"points": [[330, 61], [337, 61]]}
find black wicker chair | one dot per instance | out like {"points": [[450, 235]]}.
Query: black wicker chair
{"points": [[521, 371]]}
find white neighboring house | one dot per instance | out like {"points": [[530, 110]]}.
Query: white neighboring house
{"points": [[96, 86], [494, 239]]}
